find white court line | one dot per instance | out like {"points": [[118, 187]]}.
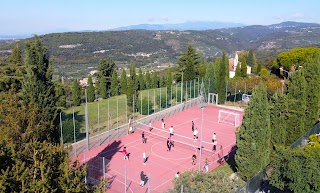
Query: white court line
{"points": [[120, 182]]}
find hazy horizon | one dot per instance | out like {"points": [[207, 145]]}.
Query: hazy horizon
{"points": [[36, 16]]}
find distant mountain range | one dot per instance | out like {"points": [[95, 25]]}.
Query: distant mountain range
{"points": [[156, 47], [201, 25]]}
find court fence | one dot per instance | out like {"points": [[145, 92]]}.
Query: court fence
{"points": [[260, 180], [113, 134]]}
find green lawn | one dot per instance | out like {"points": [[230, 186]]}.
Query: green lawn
{"points": [[120, 118]]}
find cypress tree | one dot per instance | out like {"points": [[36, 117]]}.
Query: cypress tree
{"points": [[258, 68], [250, 59], [155, 80], [253, 139], [133, 77], [279, 114], [297, 93], [222, 75], [76, 93], [38, 88], [103, 87], [130, 92], [106, 68], [123, 82], [90, 90], [60, 92], [202, 69], [243, 70], [114, 84], [238, 71], [312, 76], [210, 78], [141, 80], [148, 81]]}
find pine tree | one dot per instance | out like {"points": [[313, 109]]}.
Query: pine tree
{"points": [[155, 80], [297, 93], [312, 76], [103, 87], [90, 90], [76, 93], [189, 64], [221, 77], [148, 81], [253, 139], [243, 70], [114, 84], [123, 82], [60, 92], [141, 80], [38, 88]]}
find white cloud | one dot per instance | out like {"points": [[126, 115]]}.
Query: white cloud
{"points": [[297, 16]]}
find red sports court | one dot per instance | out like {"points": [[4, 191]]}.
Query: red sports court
{"points": [[161, 165]]}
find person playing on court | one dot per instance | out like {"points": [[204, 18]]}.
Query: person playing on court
{"points": [[171, 141], [144, 139], [214, 148], [171, 131], [206, 165], [195, 135], [168, 144], [162, 124], [192, 126], [125, 153], [194, 159], [150, 127], [144, 156]]}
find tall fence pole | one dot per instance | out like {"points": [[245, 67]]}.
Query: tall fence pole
{"points": [[74, 134], [190, 96], [133, 111], [87, 121], [209, 87], [226, 91], [166, 97], [141, 104], [108, 121], [181, 87], [198, 86], [99, 123], [154, 97], [126, 109], [61, 135], [181, 188], [148, 101], [194, 88], [186, 91], [160, 99], [235, 94], [176, 94], [171, 96], [104, 168], [118, 117]]}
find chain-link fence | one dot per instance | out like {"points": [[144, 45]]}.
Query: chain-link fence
{"points": [[149, 106]]}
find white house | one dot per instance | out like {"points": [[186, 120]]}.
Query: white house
{"points": [[233, 64]]}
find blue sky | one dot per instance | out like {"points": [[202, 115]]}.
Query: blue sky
{"points": [[43, 16]]}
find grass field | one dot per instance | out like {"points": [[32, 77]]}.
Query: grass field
{"points": [[108, 108]]}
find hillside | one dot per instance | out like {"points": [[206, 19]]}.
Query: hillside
{"points": [[152, 48]]}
